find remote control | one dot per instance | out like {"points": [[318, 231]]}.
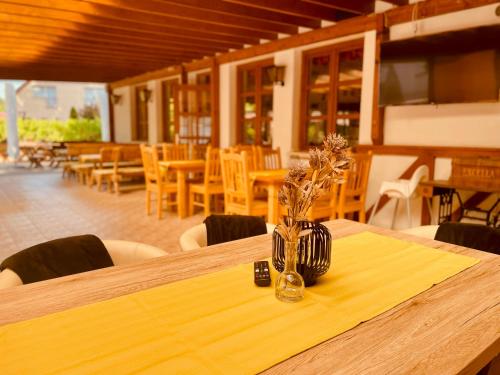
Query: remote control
{"points": [[261, 275]]}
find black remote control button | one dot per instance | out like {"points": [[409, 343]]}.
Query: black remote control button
{"points": [[261, 274]]}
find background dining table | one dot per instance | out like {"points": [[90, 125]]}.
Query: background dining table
{"points": [[451, 328], [272, 181], [182, 169]]}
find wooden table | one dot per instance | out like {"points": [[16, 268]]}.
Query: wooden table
{"points": [[447, 189], [183, 167], [452, 328], [272, 180]]}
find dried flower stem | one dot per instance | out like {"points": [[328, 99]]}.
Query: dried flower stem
{"points": [[299, 192]]}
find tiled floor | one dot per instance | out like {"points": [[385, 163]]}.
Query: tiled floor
{"points": [[39, 205]]}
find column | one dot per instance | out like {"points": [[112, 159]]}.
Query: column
{"points": [[104, 110], [11, 109]]}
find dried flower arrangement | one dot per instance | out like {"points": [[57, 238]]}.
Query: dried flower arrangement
{"points": [[301, 188]]}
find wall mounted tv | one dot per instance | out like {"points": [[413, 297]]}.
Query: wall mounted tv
{"points": [[456, 67]]}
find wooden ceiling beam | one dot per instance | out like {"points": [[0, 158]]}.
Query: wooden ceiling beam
{"points": [[352, 6], [113, 33], [26, 55], [100, 24], [250, 12], [52, 43], [100, 14], [176, 9], [44, 49], [292, 7], [429, 8], [61, 36], [58, 73]]}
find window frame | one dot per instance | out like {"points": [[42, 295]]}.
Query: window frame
{"points": [[332, 51], [258, 93], [167, 120]]}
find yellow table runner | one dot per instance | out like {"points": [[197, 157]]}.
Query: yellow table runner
{"points": [[221, 322]]}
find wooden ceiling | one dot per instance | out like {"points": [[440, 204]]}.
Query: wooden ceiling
{"points": [[107, 40]]}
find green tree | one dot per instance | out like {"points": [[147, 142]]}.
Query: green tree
{"points": [[2, 105], [73, 113]]}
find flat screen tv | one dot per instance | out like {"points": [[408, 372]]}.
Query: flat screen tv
{"points": [[454, 67]]}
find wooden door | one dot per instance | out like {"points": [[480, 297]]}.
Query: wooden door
{"points": [[193, 114], [141, 114]]}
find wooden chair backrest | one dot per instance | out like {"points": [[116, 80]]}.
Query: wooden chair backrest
{"points": [[107, 154], [198, 151], [235, 179], [213, 173], [150, 160], [356, 177], [175, 152], [76, 149], [252, 155], [269, 158]]}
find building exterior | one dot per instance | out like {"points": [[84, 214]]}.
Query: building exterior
{"points": [[54, 100], [286, 117]]}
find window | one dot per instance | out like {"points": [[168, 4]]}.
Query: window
{"points": [[48, 93], [331, 93], [91, 96], [255, 103], [168, 110], [141, 123]]}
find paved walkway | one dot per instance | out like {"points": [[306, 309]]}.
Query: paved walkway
{"points": [[38, 205]]}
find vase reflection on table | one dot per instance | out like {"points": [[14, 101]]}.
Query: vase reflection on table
{"points": [[302, 186]]}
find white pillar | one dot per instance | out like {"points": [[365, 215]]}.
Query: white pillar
{"points": [[105, 127], [11, 109], [365, 121], [286, 104]]}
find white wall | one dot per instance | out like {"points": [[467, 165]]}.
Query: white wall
{"points": [[464, 124], [123, 115]]}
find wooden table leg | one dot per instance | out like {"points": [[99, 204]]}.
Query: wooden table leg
{"points": [[181, 194], [272, 204]]}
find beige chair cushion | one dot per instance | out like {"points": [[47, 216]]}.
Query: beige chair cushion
{"points": [[9, 279], [128, 252], [196, 237]]}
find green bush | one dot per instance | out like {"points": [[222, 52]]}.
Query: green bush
{"points": [[54, 130]]}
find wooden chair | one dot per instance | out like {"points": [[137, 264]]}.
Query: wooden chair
{"points": [[268, 158], [175, 152], [198, 151], [212, 184], [130, 156], [156, 182], [352, 193], [104, 170], [252, 155], [238, 192]]}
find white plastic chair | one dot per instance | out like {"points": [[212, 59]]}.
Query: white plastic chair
{"points": [[403, 189], [121, 253], [196, 237]]}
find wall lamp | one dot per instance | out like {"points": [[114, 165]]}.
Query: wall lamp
{"points": [[116, 99], [277, 75], [145, 95]]}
